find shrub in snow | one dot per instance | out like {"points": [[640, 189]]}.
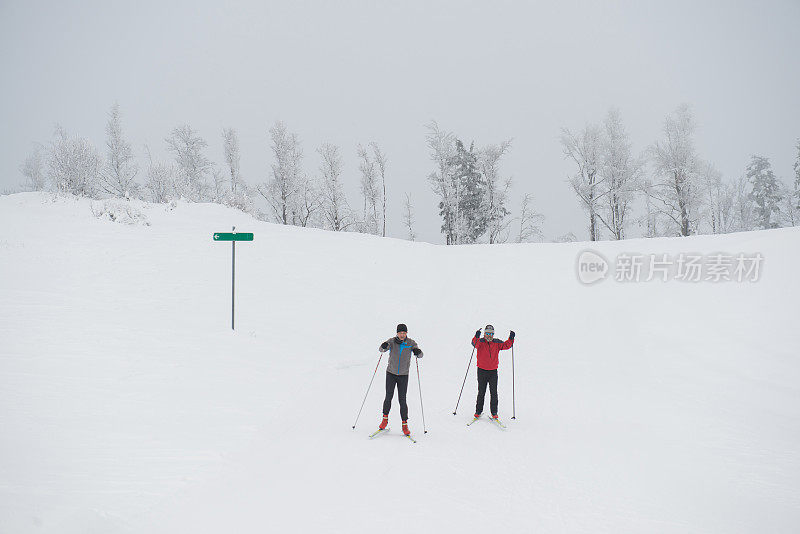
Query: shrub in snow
{"points": [[119, 211]]}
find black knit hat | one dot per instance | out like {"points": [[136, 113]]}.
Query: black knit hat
{"points": [[402, 328]]}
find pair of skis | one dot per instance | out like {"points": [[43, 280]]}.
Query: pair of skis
{"points": [[384, 430], [380, 431], [497, 421]]}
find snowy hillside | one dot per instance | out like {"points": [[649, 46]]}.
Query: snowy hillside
{"points": [[127, 404]]}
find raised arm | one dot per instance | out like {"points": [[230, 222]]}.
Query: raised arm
{"points": [[507, 344], [476, 338]]}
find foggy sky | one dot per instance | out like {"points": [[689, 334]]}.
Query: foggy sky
{"points": [[355, 72]]}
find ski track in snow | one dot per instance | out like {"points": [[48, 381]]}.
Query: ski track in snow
{"points": [[128, 405]]}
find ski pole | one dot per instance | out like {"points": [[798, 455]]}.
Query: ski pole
{"points": [[465, 380], [422, 406], [513, 389], [368, 387]]}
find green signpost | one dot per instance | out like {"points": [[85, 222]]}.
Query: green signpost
{"points": [[219, 236], [233, 237]]}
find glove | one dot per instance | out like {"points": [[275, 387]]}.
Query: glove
{"points": [[478, 333], [416, 351], [385, 345], [511, 335]]}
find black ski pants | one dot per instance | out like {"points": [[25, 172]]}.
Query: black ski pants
{"points": [[486, 377], [401, 381]]}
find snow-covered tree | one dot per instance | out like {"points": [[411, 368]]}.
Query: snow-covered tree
{"points": [[309, 202], [161, 177], [33, 169], [230, 141], [282, 190], [442, 150], [496, 195], [743, 206], [231, 189], [584, 149], [192, 165], [472, 195], [796, 193], [651, 219], [74, 165], [380, 164], [334, 206], [469, 185], [220, 185], [619, 172], [408, 218], [677, 193], [119, 172], [369, 190], [765, 192], [789, 212], [530, 221], [718, 212], [161, 181]]}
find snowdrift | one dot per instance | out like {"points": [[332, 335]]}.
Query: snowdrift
{"points": [[127, 404]]}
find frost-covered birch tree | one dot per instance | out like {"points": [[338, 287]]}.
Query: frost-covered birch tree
{"points": [[719, 200], [119, 172], [235, 192], [408, 218], [192, 164], [792, 196], [309, 202], [530, 221], [650, 220], [73, 165], [380, 164], [496, 195], [220, 185], [33, 169], [619, 172], [796, 193], [161, 177], [743, 206], [584, 149], [442, 150], [369, 191], [676, 192], [282, 189], [230, 142], [788, 211], [334, 206]]}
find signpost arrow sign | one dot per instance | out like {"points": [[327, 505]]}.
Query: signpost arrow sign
{"points": [[233, 238], [219, 236]]}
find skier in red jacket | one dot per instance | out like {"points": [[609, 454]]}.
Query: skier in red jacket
{"points": [[488, 360]]}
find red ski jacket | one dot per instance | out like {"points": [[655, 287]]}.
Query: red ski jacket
{"points": [[488, 351]]}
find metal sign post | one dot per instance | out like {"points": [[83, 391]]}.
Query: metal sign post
{"points": [[233, 237]]}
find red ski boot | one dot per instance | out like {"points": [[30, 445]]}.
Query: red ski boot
{"points": [[384, 422], [406, 431]]}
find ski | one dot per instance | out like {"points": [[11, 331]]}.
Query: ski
{"points": [[473, 420], [412, 439], [499, 423], [379, 431]]}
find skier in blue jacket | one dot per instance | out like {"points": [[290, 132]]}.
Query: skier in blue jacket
{"points": [[400, 348]]}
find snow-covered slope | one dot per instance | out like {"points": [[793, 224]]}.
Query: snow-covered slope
{"points": [[128, 405]]}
